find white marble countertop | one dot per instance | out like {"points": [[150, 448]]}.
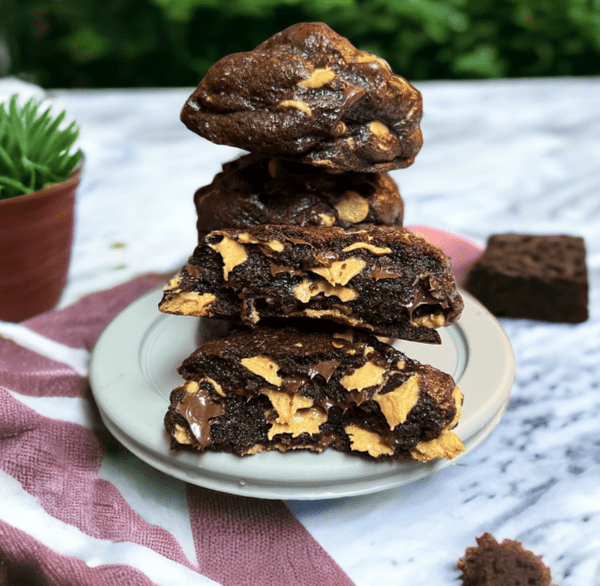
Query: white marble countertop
{"points": [[498, 156]]}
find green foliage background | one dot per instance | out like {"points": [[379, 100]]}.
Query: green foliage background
{"points": [[137, 43]]}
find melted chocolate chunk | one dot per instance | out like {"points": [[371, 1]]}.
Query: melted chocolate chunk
{"points": [[198, 408]]}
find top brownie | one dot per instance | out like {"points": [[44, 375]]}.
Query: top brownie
{"points": [[309, 94]]}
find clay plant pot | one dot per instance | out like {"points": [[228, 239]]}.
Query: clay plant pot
{"points": [[36, 237]]}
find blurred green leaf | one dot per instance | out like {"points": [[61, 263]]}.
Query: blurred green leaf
{"points": [[86, 44], [134, 43], [482, 61]]}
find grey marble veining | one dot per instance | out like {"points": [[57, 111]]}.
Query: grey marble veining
{"points": [[515, 155]]}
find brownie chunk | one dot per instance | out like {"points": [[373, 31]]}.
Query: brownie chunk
{"points": [[502, 564], [279, 389], [266, 190], [536, 277], [382, 279], [308, 93]]}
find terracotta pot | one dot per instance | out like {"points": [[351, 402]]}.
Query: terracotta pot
{"points": [[36, 237]]}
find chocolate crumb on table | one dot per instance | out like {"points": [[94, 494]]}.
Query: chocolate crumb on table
{"points": [[382, 279], [502, 564], [290, 388], [540, 277]]}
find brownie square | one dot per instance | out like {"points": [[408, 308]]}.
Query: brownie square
{"points": [[541, 277]]}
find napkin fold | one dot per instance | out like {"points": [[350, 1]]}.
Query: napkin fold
{"points": [[65, 520]]}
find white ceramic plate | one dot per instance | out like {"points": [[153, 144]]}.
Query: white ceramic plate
{"points": [[134, 368]]}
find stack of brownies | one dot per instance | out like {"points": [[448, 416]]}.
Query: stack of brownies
{"points": [[302, 253]]}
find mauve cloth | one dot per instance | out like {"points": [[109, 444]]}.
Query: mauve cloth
{"points": [[51, 470]]}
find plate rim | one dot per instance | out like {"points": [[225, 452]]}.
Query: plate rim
{"points": [[199, 469], [191, 467]]}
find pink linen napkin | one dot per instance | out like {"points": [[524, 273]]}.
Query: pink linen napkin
{"points": [[62, 523]]}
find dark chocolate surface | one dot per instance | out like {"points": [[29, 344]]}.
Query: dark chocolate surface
{"points": [[381, 279], [541, 277], [267, 190], [309, 94]]}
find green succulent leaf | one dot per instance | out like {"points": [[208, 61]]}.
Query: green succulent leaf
{"points": [[35, 148], [7, 182]]}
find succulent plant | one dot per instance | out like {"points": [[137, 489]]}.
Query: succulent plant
{"points": [[35, 150]]}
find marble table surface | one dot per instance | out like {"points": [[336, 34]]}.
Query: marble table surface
{"points": [[499, 156]]}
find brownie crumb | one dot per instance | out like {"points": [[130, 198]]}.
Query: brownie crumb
{"points": [[502, 564], [540, 277]]}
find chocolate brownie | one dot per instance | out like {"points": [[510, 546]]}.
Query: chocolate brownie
{"points": [[381, 278], [267, 190], [532, 276], [502, 564], [279, 389], [309, 94]]}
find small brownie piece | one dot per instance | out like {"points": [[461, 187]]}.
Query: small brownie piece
{"points": [[382, 279], [531, 276], [308, 93], [502, 564], [287, 388], [266, 190]]}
